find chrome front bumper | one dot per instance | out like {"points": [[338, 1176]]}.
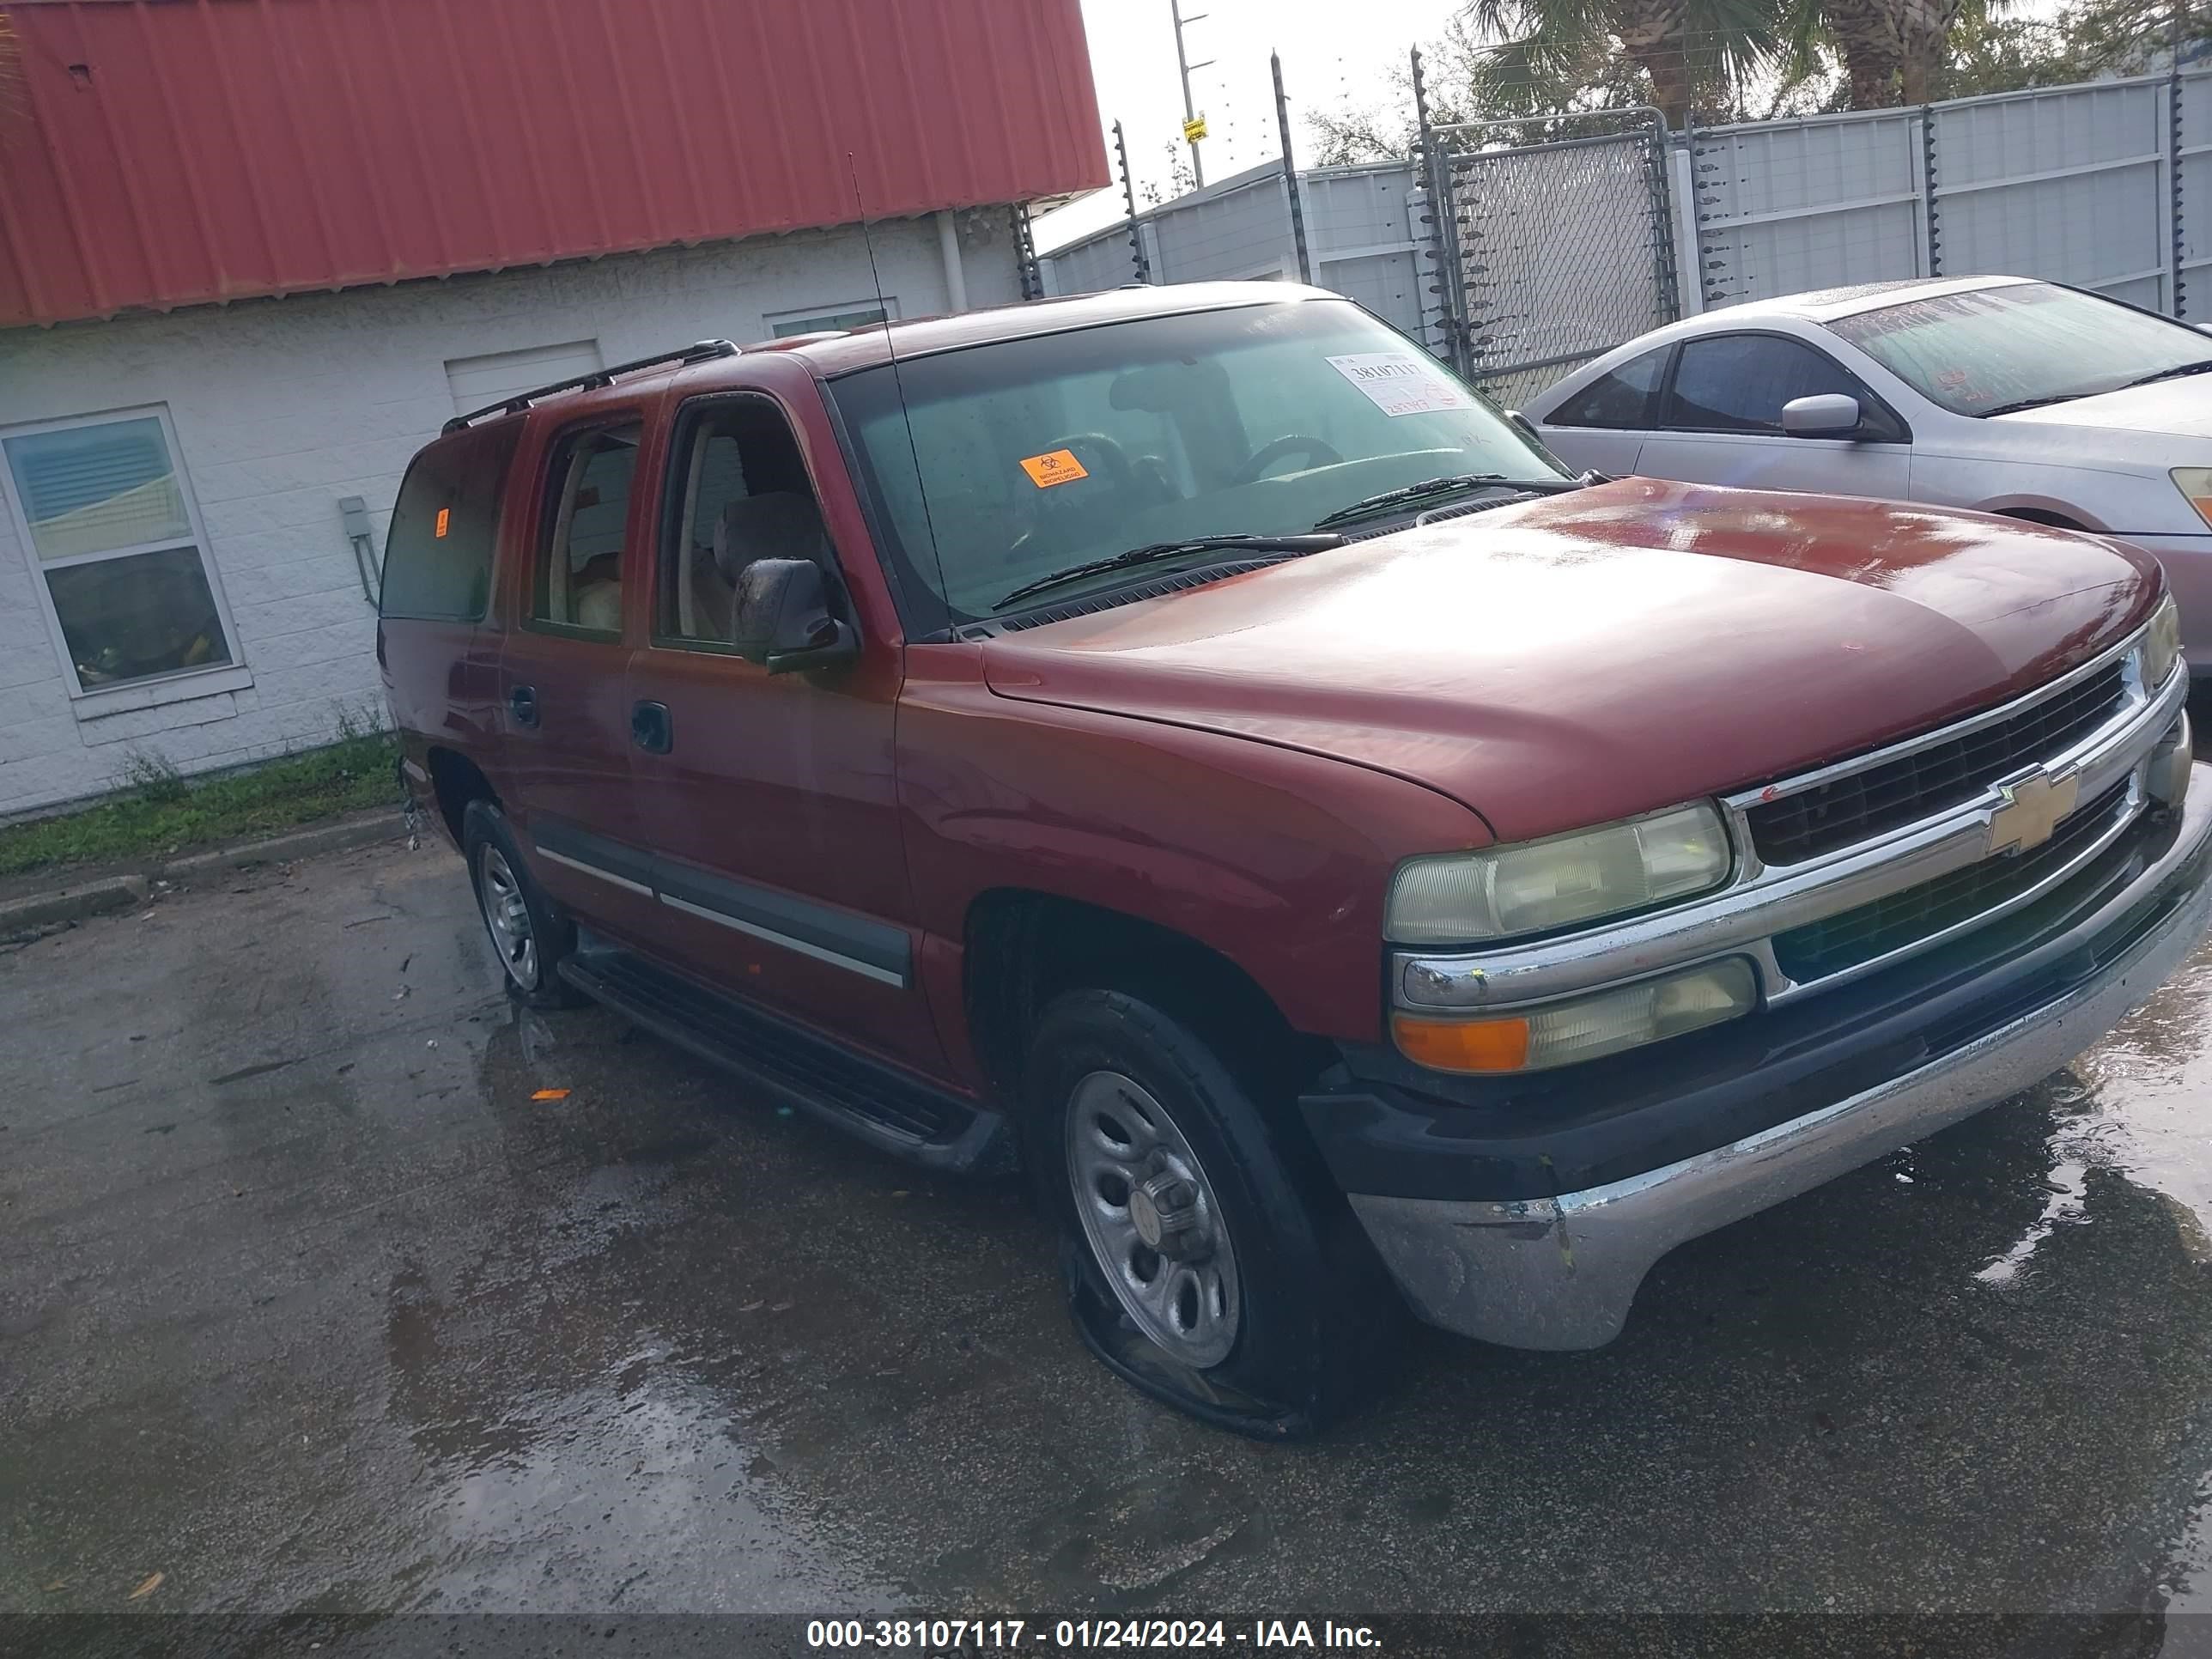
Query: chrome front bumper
{"points": [[1561, 1272]]}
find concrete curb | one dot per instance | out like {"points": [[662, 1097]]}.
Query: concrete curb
{"points": [[89, 898], [283, 849], [97, 897]]}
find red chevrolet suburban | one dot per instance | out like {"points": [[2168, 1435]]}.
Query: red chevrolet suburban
{"points": [[1183, 741]]}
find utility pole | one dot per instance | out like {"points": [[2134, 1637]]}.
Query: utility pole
{"points": [[1193, 128]]}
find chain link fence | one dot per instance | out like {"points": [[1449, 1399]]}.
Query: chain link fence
{"points": [[1551, 253]]}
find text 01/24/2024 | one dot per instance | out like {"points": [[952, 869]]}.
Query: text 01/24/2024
{"points": [[951, 1635]]}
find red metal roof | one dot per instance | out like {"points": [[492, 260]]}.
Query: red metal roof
{"points": [[162, 153]]}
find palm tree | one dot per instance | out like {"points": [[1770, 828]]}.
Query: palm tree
{"points": [[1893, 49], [1924, 29], [1867, 35], [1692, 54]]}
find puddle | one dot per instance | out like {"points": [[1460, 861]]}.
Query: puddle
{"points": [[634, 1492]]}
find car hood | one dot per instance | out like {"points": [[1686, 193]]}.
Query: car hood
{"points": [[1604, 653], [2182, 407]]}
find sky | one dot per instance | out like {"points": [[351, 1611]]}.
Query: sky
{"points": [[1335, 53]]}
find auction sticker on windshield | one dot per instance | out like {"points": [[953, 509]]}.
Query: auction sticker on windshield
{"points": [[1401, 382]]}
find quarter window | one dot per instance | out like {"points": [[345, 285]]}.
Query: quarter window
{"points": [[114, 537], [437, 555], [1739, 382], [1620, 400], [577, 582]]}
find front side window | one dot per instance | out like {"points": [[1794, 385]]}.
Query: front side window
{"points": [[1990, 349], [577, 581], [1038, 453], [109, 523], [1739, 382], [741, 493], [1619, 401]]}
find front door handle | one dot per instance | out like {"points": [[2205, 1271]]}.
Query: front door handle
{"points": [[651, 729], [522, 702]]}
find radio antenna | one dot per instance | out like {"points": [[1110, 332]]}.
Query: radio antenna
{"points": [[898, 384]]}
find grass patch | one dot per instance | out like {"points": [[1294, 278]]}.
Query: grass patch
{"points": [[161, 813]]}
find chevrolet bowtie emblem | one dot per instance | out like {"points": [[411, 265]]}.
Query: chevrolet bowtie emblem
{"points": [[2032, 809]]}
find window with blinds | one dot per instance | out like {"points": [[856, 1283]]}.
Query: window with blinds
{"points": [[103, 509]]}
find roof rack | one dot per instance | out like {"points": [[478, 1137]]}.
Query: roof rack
{"points": [[700, 351]]}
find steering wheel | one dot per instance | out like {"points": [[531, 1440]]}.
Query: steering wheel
{"points": [[1096, 446], [1317, 452], [1102, 458]]}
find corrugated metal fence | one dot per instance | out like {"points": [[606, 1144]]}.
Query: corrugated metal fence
{"points": [[2085, 184], [1362, 229], [2107, 186]]}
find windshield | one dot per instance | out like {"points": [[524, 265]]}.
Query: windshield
{"points": [[1992, 348], [1054, 450]]}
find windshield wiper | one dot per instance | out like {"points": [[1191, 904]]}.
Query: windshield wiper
{"points": [[2014, 407], [1152, 550], [1443, 486], [2173, 374]]}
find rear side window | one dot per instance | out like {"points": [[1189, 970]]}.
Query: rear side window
{"points": [[437, 555], [578, 579], [1620, 399]]}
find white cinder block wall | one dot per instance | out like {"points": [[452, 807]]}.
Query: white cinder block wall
{"points": [[280, 407]]}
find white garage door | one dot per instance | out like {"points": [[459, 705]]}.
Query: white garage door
{"points": [[477, 381]]}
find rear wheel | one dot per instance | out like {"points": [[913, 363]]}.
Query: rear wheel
{"points": [[530, 938], [1208, 1259]]}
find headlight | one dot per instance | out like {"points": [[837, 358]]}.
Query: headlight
{"points": [[2195, 483], [1584, 1028], [1537, 887], [2161, 643]]}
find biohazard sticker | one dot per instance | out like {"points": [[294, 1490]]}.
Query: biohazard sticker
{"points": [[1060, 466], [1402, 382]]}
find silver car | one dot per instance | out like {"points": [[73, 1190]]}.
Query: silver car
{"points": [[1996, 393]]}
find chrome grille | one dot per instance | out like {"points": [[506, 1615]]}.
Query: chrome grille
{"points": [[1851, 809], [1901, 919]]}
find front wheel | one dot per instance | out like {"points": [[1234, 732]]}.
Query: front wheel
{"points": [[1209, 1260]]}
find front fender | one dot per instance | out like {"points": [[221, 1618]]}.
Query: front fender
{"points": [[1276, 860]]}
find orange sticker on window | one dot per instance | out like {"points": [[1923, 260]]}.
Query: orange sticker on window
{"points": [[1058, 467], [445, 520]]}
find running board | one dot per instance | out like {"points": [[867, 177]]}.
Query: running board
{"points": [[883, 1107]]}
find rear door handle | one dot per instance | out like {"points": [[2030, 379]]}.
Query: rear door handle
{"points": [[651, 729], [522, 702]]}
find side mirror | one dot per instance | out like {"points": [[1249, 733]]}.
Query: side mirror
{"points": [[1528, 427], [782, 618], [1829, 415]]}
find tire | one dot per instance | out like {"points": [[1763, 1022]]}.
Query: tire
{"points": [[528, 935], [1267, 1311]]}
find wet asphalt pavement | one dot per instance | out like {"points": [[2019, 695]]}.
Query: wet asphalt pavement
{"points": [[306, 1303]]}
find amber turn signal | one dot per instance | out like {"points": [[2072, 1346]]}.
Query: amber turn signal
{"points": [[1463, 1045], [1583, 1028]]}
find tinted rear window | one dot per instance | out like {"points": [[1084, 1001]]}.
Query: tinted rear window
{"points": [[437, 555], [1620, 400]]}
